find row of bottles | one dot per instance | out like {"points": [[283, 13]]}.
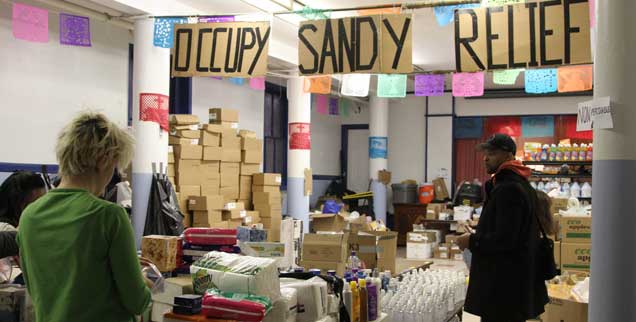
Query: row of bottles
{"points": [[565, 190], [561, 152], [424, 296], [362, 299]]}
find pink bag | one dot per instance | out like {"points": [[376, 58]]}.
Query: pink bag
{"points": [[210, 236], [235, 306]]}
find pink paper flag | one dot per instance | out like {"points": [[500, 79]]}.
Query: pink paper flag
{"points": [[322, 104], [257, 83], [468, 84], [592, 5], [30, 23]]}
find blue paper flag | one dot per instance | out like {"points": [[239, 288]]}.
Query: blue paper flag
{"points": [[378, 147], [469, 127], [540, 81], [164, 31], [537, 126], [446, 14], [237, 80]]}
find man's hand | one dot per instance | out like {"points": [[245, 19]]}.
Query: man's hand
{"points": [[463, 241]]}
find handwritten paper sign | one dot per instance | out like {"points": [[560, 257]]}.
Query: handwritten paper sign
{"points": [[317, 85], [575, 78], [257, 83], [299, 136], [595, 114], [506, 77], [540, 81], [164, 31], [468, 84], [429, 85], [30, 23], [75, 30], [391, 85], [355, 85], [322, 102]]}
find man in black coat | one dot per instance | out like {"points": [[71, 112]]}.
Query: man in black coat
{"points": [[504, 283]]}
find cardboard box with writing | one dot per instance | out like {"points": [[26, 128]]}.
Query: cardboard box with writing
{"points": [[267, 179], [378, 249], [211, 153], [252, 156], [175, 140], [205, 218], [326, 222], [188, 152], [258, 188], [456, 253], [234, 205], [230, 155], [433, 210], [325, 247], [565, 310], [187, 134], [575, 229], [339, 267], [249, 169], [271, 198], [576, 257], [205, 203], [230, 193], [418, 246], [210, 139], [183, 119], [219, 115], [558, 204], [251, 144]]}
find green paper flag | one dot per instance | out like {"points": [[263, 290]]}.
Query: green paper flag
{"points": [[344, 107], [506, 77], [392, 85]]}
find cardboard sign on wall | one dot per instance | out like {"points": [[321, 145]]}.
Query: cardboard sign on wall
{"points": [[526, 35], [237, 49], [368, 44]]}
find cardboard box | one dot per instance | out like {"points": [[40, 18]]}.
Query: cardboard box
{"points": [[230, 155], [575, 229], [172, 181], [252, 156], [273, 235], [235, 205], [208, 174], [188, 173], [417, 247], [229, 224], [245, 187], [258, 188], [171, 156], [170, 170], [456, 253], [576, 256], [210, 139], [175, 140], [558, 204], [272, 198], [325, 247], [188, 127], [326, 222], [271, 222], [564, 310], [161, 250], [218, 115], [230, 125], [442, 251], [255, 216], [248, 143], [188, 152], [205, 218], [234, 214], [189, 190], [187, 134], [378, 249], [229, 179], [557, 254], [230, 193], [249, 169], [211, 167], [264, 249], [231, 142], [339, 267], [267, 179], [441, 192], [433, 210], [247, 202], [232, 167], [211, 189], [184, 119], [247, 134], [267, 211], [205, 203], [211, 153]]}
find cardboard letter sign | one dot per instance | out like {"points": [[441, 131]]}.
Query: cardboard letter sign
{"points": [[369, 44], [236, 49], [299, 136], [533, 34]]}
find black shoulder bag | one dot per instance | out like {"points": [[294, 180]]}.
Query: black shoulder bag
{"points": [[546, 266]]}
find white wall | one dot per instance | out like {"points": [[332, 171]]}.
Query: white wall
{"points": [[407, 128], [208, 93], [43, 85]]}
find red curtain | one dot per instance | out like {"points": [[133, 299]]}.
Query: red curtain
{"points": [[469, 162], [510, 125], [568, 123]]}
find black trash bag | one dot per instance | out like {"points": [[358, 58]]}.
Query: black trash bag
{"points": [[163, 216]]}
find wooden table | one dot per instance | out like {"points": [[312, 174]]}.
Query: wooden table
{"points": [[407, 215]]}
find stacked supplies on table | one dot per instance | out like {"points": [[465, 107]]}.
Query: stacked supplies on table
{"points": [[237, 274], [237, 306], [285, 308], [200, 241], [312, 298]]}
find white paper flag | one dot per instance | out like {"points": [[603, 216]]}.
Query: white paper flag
{"points": [[355, 85]]}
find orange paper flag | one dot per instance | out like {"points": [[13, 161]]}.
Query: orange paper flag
{"points": [[381, 11], [318, 85], [575, 78]]}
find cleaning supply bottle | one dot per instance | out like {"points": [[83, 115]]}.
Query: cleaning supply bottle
{"points": [[582, 152], [372, 302], [378, 288], [385, 280], [545, 153], [586, 190], [575, 190], [575, 153], [364, 301], [553, 151], [353, 262], [568, 152], [355, 300], [560, 151], [347, 298]]}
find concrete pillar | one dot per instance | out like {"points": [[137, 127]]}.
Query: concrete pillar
{"points": [[378, 152], [151, 74], [613, 283], [299, 149]]}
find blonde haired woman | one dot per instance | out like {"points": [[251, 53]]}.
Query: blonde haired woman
{"points": [[77, 251]]}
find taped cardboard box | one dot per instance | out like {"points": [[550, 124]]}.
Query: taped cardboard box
{"points": [[576, 257], [267, 179], [575, 229], [251, 143], [326, 222], [456, 253], [161, 250], [175, 140], [339, 267], [210, 139], [325, 247], [188, 152], [187, 134], [433, 210], [249, 169], [230, 155], [211, 153], [378, 249], [252, 156], [206, 203], [267, 197], [206, 218], [174, 128], [562, 309], [258, 188], [255, 215], [218, 115], [189, 190], [235, 205], [442, 251], [184, 119], [188, 172]]}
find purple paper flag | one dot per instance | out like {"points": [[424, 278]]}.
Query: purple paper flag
{"points": [[216, 77], [468, 84], [333, 106], [75, 30], [216, 19], [429, 85], [321, 104], [30, 23], [257, 83]]}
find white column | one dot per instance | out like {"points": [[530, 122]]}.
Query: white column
{"points": [[378, 152], [299, 150], [151, 74], [612, 292]]}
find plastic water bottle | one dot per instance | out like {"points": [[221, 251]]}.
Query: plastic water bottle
{"points": [[353, 263]]}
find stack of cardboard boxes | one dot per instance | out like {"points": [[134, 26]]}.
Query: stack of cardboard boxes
{"points": [[575, 234], [267, 201]]}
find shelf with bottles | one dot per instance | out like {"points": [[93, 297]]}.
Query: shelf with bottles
{"points": [[565, 188], [555, 176], [563, 153], [569, 163]]}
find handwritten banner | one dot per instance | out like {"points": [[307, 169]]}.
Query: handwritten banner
{"points": [[541, 81], [429, 85], [355, 85], [468, 84], [575, 78], [391, 85], [30, 23]]}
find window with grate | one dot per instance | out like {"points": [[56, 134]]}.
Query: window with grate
{"points": [[275, 136]]}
